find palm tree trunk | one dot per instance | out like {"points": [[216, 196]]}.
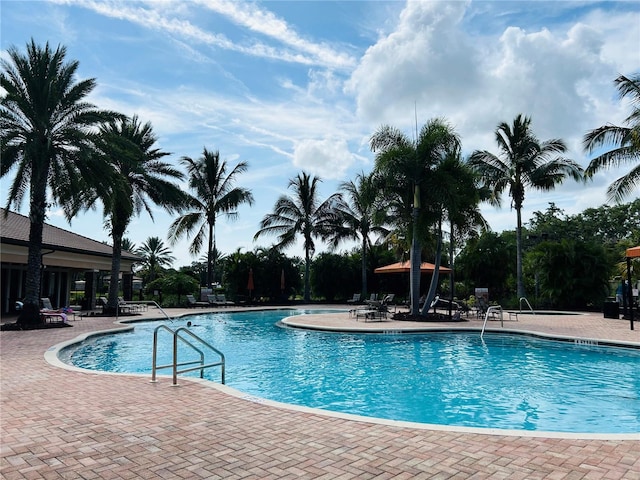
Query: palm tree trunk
{"points": [[114, 284], [415, 259], [364, 267], [307, 279], [210, 265], [433, 286], [30, 314], [519, 280], [451, 275]]}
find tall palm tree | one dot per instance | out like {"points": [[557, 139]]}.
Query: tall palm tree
{"points": [[154, 256], [362, 214], [301, 214], [406, 169], [214, 195], [523, 162], [140, 180], [46, 141], [454, 188], [625, 143]]}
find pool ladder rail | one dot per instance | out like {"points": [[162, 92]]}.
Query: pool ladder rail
{"points": [[491, 311], [181, 334]]}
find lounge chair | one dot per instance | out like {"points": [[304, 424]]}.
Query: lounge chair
{"points": [[49, 315], [222, 300], [374, 310], [355, 299], [192, 302], [132, 307], [388, 299], [46, 303]]}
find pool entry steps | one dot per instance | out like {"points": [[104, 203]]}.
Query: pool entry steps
{"points": [[181, 334]]}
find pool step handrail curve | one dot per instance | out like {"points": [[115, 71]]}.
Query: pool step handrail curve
{"points": [[490, 312], [180, 334], [528, 304], [145, 303]]}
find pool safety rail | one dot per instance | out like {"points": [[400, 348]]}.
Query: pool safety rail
{"points": [[524, 299], [188, 338], [495, 310]]}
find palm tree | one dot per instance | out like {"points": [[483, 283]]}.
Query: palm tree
{"points": [[524, 162], [215, 195], [128, 245], [406, 169], [302, 214], [362, 215], [46, 141], [624, 140], [454, 187], [140, 179], [154, 256]]}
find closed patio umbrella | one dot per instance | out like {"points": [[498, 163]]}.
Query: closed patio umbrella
{"points": [[250, 285]]}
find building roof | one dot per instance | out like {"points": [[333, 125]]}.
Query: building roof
{"points": [[14, 229]]}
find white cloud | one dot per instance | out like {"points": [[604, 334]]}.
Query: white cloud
{"points": [[168, 20], [328, 158], [254, 18]]}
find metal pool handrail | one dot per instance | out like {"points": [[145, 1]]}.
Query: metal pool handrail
{"points": [[490, 310], [177, 335], [528, 304]]}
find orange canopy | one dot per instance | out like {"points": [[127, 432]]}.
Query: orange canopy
{"points": [[633, 252], [405, 267]]}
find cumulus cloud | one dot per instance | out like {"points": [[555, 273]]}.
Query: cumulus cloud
{"points": [[423, 61], [431, 60], [328, 158]]}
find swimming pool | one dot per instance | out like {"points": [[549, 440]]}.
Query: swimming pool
{"points": [[506, 382]]}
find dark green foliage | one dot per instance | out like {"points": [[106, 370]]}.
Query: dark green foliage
{"points": [[334, 276], [489, 261], [175, 283], [572, 274], [268, 266]]}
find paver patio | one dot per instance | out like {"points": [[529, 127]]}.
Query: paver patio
{"points": [[59, 423]]}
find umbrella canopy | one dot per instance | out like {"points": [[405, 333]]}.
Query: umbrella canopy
{"points": [[405, 267], [633, 252]]}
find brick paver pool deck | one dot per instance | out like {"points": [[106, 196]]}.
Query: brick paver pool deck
{"points": [[60, 423]]}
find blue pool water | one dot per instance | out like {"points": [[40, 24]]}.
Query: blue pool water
{"points": [[507, 381]]}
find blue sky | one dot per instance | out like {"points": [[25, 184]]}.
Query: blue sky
{"points": [[302, 85]]}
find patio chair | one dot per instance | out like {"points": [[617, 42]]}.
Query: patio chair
{"points": [[375, 310], [129, 307], [355, 299], [50, 315], [222, 300], [46, 303], [192, 302]]}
